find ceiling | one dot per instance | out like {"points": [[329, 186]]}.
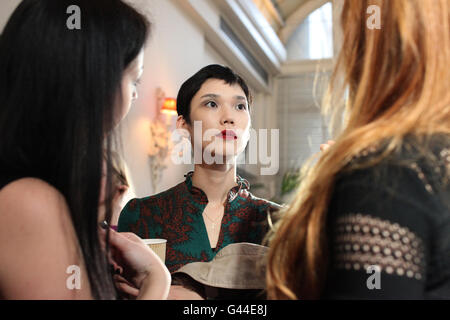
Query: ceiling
{"points": [[287, 7], [286, 15], [277, 12]]}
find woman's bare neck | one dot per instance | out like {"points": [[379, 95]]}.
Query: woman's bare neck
{"points": [[215, 180]]}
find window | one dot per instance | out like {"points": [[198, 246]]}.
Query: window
{"points": [[313, 39]]}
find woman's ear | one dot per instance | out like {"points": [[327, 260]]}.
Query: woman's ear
{"points": [[181, 123], [122, 189]]}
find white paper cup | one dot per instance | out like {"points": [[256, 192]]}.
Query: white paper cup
{"points": [[158, 246]]}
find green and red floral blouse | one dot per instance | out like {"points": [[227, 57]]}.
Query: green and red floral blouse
{"points": [[176, 215]]}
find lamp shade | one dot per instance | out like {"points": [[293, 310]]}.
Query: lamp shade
{"points": [[169, 106]]}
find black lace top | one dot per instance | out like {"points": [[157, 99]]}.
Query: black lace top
{"points": [[390, 228]]}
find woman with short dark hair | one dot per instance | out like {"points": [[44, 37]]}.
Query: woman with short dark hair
{"points": [[213, 207]]}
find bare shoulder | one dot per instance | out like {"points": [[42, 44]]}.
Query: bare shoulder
{"points": [[32, 202], [38, 242], [26, 187]]}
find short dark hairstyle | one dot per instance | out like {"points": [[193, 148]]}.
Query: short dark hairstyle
{"points": [[192, 85]]}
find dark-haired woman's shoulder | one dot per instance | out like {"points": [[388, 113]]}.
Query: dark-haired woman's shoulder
{"points": [[263, 204], [392, 220], [29, 196], [38, 243], [261, 213]]}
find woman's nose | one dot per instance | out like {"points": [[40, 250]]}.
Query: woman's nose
{"points": [[227, 117], [228, 121]]}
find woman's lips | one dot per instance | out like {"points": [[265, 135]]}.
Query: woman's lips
{"points": [[228, 135]]}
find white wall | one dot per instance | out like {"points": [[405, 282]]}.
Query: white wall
{"points": [[6, 9]]}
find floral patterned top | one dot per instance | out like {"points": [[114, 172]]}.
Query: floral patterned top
{"points": [[176, 215]]}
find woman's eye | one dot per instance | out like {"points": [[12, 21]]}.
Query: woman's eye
{"points": [[211, 104], [137, 82], [241, 107]]}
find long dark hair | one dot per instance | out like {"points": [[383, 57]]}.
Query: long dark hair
{"points": [[59, 93]]}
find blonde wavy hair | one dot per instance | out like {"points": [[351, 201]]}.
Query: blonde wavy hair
{"points": [[396, 81]]}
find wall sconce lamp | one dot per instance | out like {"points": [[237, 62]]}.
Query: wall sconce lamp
{"points": [[160, 136], [167, 106]]}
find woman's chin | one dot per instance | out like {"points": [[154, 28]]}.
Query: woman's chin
{"points": [[219, 159]]}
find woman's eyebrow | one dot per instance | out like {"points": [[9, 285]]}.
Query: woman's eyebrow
{"points": [[210, 95], [240, 98]]}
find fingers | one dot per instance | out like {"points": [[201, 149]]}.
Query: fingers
{"points": [[124, 237], [325, 146], [124, 286], [119, 239], [112, 258], [116, 269]]}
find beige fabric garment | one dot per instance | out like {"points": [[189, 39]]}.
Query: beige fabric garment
{"points": [[237, 266]]}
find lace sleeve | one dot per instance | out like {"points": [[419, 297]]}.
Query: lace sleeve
{"points": [[375, 227], [362, 241]]}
